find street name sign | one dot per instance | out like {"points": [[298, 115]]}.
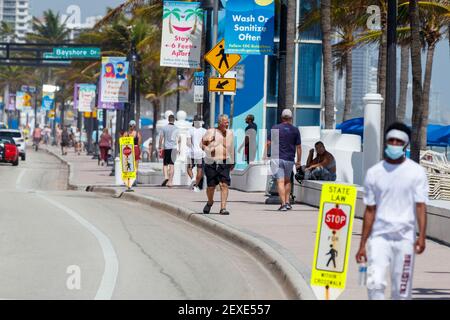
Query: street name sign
{"points": [[333, 238], [127, 160], [221, 61], [69, 53], [50, 55], [222, 85]]}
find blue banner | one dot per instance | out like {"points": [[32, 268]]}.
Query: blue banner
{"points": [[250, 27]]}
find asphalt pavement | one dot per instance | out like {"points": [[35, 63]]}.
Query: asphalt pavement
{"points": [[61, 244]]}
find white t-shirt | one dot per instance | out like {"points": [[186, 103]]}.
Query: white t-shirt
{"points": [[196, 134], [395, 190], [170, 133]]}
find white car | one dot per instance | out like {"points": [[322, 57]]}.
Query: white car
{"points": [[18, 139]]}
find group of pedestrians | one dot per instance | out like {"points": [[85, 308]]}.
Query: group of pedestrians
{"points": [[395, 190]]}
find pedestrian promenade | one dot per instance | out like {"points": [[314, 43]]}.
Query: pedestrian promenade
{"points": [[292, 233]]}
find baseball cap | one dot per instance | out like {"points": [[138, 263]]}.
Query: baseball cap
{"points": [[286, 113], [132, 123]]}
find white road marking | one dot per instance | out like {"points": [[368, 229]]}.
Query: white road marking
{"points": [[109, 278], [19, 178]]}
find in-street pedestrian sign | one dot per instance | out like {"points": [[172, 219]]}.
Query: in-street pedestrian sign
{"points": [[221, 61], [222, 84], [69, 53], [127, 160], [334, 231]]}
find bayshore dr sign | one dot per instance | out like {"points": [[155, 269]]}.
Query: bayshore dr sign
{"points": [[250, 27], [181, 34]]}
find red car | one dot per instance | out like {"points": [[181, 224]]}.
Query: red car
{"points": [[8, 151]]}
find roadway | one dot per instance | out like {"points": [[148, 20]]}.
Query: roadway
{"points": [[61, 244]]}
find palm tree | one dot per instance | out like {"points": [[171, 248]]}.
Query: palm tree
{"points": [[50, 29], [404, 80], [328, 75], [348, 17], [7, 32], [416, 61]]}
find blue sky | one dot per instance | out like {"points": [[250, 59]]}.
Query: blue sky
{"points": [[88, 7]]}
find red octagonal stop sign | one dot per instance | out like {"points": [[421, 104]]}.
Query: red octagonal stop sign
{"points": [[335, 219], [127, 151]]}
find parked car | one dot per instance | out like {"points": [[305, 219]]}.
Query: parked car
{"points": [[18, 139], [8, 151]]}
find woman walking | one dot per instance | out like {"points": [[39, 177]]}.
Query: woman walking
{"points": [[65, 139], [105, 144]]}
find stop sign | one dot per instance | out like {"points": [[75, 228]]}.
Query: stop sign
{"points": [[335, 219], [127, 151]]}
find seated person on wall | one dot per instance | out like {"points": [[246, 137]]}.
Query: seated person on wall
{"points": [[322, 167]]}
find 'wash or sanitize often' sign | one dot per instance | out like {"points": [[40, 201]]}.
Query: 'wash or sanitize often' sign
{"points": [[250, 27]]}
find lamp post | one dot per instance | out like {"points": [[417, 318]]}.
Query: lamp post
{"points": [[391, 67], [179, 78], [134, 59], [210, 6]]}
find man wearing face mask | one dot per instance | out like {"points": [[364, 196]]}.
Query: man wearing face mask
{"points": [[395, 195]]}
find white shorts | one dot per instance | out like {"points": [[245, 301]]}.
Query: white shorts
{"points": [[386, 252]]}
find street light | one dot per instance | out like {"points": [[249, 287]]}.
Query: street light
{"points": [[209, 6], [179, 78], [134, 59]]}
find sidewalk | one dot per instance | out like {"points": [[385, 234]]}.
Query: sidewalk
{"points": [[292, 234]]}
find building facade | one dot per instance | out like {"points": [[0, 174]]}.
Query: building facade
{"points": [[17, 14]]}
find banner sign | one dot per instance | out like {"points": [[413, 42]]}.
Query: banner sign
{"points": [[11, 103], [199, 83], [86, 97], [334, 232], [23, 101], [250, 27], [114, 82], [181, 34], [48, 101]]}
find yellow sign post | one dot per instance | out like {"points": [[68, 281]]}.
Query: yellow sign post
{"points": [[127, 160], [221, 61], [334, 231], [222, 84]]}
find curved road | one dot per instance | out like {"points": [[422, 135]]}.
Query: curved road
{"points": [[60, 244]]}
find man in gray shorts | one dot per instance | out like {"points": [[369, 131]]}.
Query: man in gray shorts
{"points": [[284, 142]]}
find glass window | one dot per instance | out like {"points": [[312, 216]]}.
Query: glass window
{"points": [[272, 80], [309, 74], [305, 117], [271, 117], [313, 32]]}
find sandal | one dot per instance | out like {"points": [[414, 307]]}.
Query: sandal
{"points": [[224, 212], [207, 208]]}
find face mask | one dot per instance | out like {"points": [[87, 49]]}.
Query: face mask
{"points": [[394, 152], [119, 70]]}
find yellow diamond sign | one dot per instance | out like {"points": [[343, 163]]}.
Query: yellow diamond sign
{"points": [[221, 61]]}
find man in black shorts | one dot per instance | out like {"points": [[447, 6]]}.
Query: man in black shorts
{"points": [[168, 146], [218, 144]]}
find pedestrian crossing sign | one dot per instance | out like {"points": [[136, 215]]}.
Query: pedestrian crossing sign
{"points": [[127, 160], [220, 60], [333, 238]]}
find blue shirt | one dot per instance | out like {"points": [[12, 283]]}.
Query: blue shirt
{"points": [[284, 139]]}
